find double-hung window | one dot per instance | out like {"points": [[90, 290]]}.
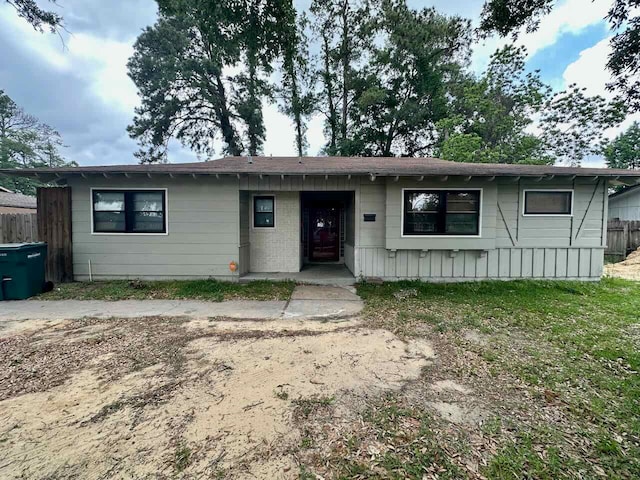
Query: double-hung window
{"points": [[441, 212], [129, 211], [548, 202]]}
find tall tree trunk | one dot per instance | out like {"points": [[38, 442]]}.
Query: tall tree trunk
{"points": [[297, 117], [224, 117], [345, 59], [328, 84], [253, 118]]}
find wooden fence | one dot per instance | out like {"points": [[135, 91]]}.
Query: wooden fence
{"points": [[18, 227], [623, 236]]}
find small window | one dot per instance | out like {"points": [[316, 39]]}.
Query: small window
{"points": [[441, 212], [264, 211], [548, 202], [129, 211]]}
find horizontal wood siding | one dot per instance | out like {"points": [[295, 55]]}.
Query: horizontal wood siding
{"points": [[511, 245], [203, 232], [372, 201], [625, 206], [393, 233], [244, 254]]}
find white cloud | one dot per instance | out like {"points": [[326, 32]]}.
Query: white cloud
{"points": [[48, 48], [103, 63], [570, 16], [99, 61]]}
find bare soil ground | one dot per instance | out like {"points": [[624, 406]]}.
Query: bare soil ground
{"points": [[629, 268], [481, 381], [171, 397]]}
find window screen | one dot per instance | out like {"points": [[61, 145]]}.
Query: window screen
{"points": [[541, 202], [129, 211], [441, 212], [264, 212]]}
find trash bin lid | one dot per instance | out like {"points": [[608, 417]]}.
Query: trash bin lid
{"points": [[4, 246]]}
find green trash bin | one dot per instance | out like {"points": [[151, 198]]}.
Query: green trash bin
{"points": [[22, 270]]}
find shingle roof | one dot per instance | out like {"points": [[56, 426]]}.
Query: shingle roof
{"points": [[17, 200], [383, 166]]}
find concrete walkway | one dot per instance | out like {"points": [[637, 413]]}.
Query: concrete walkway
{"points": [[307, 302]]}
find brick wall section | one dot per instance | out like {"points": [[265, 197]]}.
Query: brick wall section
{"points": [[277, 249]]}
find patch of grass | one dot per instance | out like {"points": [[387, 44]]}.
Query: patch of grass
{"points": [[182, 458], [573, 344], [608, 259], [410, 446], [211, 290], [305, 474], [281, 394], [306, 442], [523, 456], [304, 407]]}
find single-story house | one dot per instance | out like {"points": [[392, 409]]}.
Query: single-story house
{"points": [[11, 202], [389, 218], [625, 204]]}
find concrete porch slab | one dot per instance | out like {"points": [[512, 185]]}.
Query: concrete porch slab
{"points": [[324, 274], [323, 292], [323, 302]]}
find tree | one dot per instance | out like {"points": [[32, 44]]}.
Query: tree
{"points": [[510, 116], [298, 82], [404, 89], [495, 112], [181, 66], [344, 29], [624, 150], [37, 17], [572, 124], [25, 142], [510, 16]]}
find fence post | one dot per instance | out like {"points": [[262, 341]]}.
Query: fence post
{"points": [[625, 236]]}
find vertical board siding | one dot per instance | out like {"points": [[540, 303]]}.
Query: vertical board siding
{"points": [[504, 263], [55, 228], [18, 227], [623, 236]]}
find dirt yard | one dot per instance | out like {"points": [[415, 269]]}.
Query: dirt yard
{"points": [[494, 380], [171, 397], [629, 268]]}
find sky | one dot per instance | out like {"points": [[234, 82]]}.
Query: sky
{"points": [[81, 88]]}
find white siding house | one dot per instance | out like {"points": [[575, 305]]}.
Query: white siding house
{"points": [[625, 204], [390, 218]]}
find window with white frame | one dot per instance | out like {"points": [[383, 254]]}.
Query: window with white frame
{"points": [[129, 211], [441, 212], [548, 202]]}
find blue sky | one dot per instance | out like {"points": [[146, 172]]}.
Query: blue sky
{"points": [[83, 90], [553, 60]]}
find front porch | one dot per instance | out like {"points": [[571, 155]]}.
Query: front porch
{"points": [[306, 236], [314, 274]]}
